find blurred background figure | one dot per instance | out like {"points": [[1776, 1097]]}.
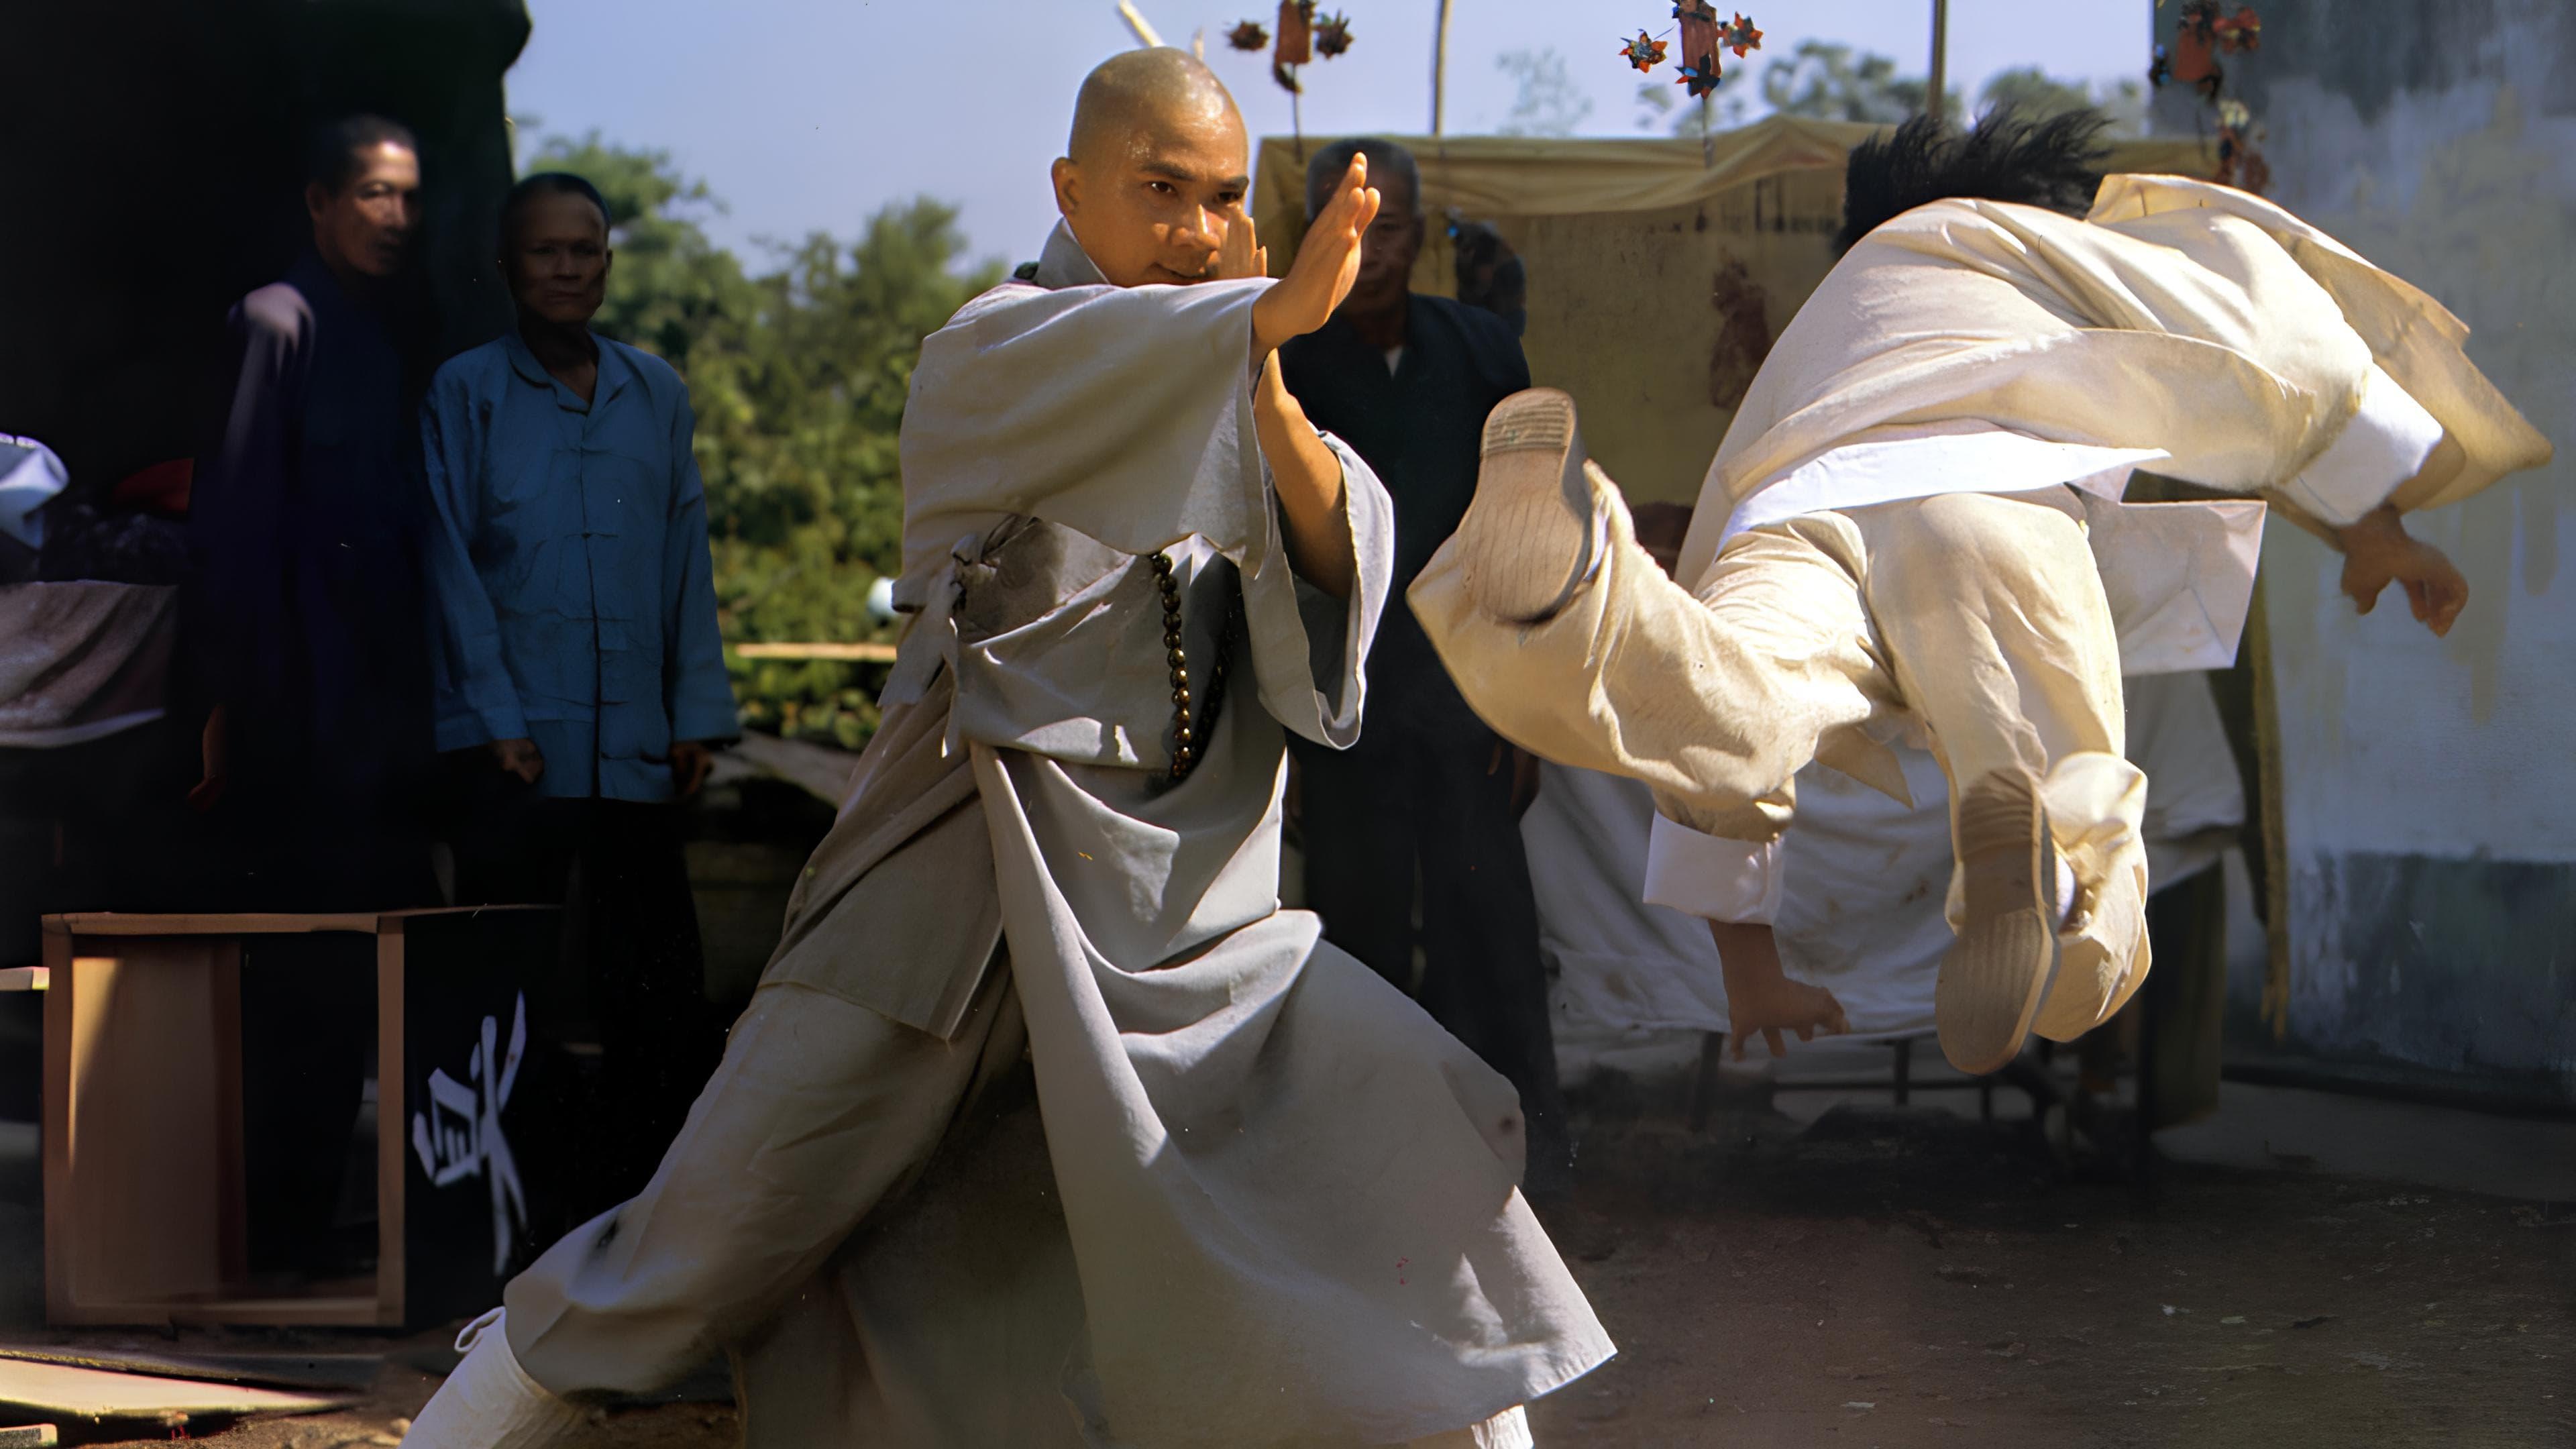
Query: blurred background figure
{"points": [[304, 614], [1427, 795]]}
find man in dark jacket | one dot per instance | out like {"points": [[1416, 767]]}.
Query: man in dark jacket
{"points": [[307, 628], [1427, 793]]}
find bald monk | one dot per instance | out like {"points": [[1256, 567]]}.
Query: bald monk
{"points": [[1047, 1126]]}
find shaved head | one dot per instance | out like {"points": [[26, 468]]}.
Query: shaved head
{"points": [[1156, 168], [1140, 91]]}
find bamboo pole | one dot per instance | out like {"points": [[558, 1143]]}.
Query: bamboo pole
{"points": [[1145, 34], [1935, 97], [1439, 66]]}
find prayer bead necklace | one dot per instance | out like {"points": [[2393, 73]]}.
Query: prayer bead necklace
{"points": [[1185, 738]]}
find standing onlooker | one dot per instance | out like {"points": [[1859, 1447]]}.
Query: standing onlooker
{"points": [[576, 650], [1426, 794], [303, 536], [304, 623]]}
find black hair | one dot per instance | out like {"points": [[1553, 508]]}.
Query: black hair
{"points": [[2054, 161], [548, 183], [332, 150], [1385, 159]]}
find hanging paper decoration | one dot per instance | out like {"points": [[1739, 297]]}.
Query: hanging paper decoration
{"points": [[1332, 35], [2240, 31], [1703, 37], [1296, 33], [1303, 37], [2204, 33], [2240, 150], [1645, 52]]}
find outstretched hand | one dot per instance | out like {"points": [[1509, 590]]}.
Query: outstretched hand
{"points": [[2378, 551], [1762, 999], [1327, 263]]}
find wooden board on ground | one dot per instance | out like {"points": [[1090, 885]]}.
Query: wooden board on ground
{"points": [[62, 1392], [347, 1372]]}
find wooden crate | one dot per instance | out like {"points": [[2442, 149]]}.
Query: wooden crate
{"points": [[145, 1202]]}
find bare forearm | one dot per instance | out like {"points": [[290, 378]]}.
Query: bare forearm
{"points": [[1747, 954], [1308, 476]]}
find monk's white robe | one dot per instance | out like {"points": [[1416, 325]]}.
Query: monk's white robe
{"points": [[1199, 1178]]}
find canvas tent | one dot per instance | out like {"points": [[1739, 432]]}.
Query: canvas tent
{"points": [[1659, 270]]}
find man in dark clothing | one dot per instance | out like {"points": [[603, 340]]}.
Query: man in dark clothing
{"points": [[1427, 794], [308, 617], [307, 628]]}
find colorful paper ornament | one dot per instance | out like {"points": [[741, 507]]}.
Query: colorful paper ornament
{"points": [[1645, 52], [1332, 35]]}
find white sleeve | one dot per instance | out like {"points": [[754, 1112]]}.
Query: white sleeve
{"points": [[1712, 877], [2383, 446]]}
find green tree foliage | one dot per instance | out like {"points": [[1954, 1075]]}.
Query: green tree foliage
{"points": [[2035, 93], [798, 376], [1828, 82], [1545, 99]]}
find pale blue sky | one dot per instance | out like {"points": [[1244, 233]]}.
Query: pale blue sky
{"points": [[806, 114]]}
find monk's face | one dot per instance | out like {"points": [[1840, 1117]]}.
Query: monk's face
{"points": [[557, 262], [1154, 198], [366, 225]]}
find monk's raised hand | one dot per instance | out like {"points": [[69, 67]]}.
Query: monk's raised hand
{"points": [[1328, 262], [1243, 256]]}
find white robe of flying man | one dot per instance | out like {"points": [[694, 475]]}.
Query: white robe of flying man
{"points": [[1915, 522]]}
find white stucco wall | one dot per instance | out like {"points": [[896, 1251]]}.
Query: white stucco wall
{"points": [[2440, 142]]}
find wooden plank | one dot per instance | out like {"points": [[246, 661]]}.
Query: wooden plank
{"points": [[58, 1118], [818, 770], [2276, 831], [26, 978], [849, 653], [321, 1310], [392, 1142], [232, 1182], [119, 923], [29, 1436], [341, 1372], [61, 1391], [254, 923], [134, 1178]]}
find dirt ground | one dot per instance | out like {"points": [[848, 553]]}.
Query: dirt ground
{"points": [[1904, 1277]]}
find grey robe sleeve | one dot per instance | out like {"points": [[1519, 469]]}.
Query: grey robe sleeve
{"points": [[1309, 649]]}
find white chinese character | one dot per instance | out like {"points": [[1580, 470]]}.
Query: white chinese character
{"points": [[459, 1136]]}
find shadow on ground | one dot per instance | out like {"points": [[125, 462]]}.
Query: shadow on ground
{"points": [[1900, 1277]]}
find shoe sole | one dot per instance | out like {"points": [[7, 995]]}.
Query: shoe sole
{"points": [[1998, 971], [1525, 534]]}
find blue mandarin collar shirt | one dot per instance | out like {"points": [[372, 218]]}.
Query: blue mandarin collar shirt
{"points": [[574, 599]]}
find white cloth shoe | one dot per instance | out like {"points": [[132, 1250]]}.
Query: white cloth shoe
{"points": [[2006, 956], [489, 1402], [1533, 535]]}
